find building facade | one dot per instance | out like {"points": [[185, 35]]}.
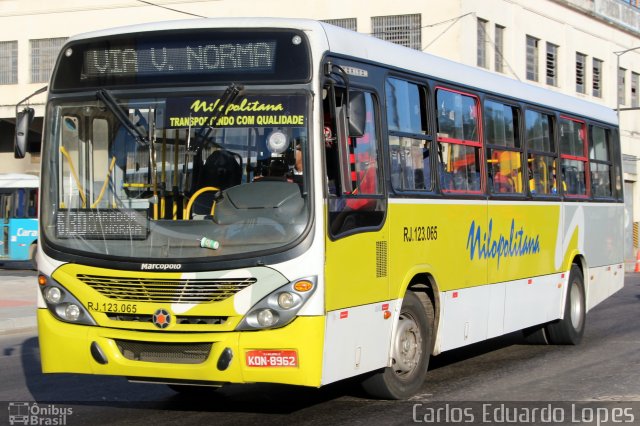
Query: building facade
{"points": [[589, 49]]}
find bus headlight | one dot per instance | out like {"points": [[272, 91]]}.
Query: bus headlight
{"points": [[286, 300], [53, 295], [72, 312], [279, 307], [267, 317], [62, 304]]}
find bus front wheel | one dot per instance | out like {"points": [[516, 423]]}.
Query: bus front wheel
{"points": [[410, 351], [33, 251], [569, 329]]}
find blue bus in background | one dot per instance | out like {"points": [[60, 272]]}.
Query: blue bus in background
{"points": [[19, 209]]}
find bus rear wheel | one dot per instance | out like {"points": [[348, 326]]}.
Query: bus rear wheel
{"points": [[569, 329], [410, 351]]}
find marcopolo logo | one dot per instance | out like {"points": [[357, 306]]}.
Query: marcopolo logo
{"points": [[160, 266], [161, 318], [31, 413]]}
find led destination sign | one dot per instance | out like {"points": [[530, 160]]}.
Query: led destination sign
{"points": [[191, 57], [245, 56]]}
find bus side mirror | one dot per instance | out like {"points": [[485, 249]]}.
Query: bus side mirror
{"points": [[357, 114], [24, 119]]}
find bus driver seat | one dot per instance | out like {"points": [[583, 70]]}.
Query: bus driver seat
{"points": [[222, 169]]}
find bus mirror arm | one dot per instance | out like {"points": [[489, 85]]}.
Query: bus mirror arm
{"points": [[24, 119]]}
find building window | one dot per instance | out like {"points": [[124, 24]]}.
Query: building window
{"points": [[399, 29], [581, 62], [43, 57], [482, 43], [635, 81], [347, 23], [532, 58], [499, 41], [597, 78], [9, 62], [552, 64], [622, 86]]}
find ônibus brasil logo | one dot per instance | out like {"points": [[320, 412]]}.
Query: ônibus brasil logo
{"points": [[160, 266]]}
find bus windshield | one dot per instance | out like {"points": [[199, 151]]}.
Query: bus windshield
{"points": [[177, 177]]}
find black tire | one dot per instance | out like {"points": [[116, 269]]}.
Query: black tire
{"points": [[411, 349], [569, 329], [33, 251], [536, 335]]}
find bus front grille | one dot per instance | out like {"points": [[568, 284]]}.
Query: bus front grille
{"points": [[172, 353], [159, 290], [180, 319]]}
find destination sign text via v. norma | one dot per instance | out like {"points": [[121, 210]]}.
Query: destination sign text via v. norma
{"points": [[173, 58]]}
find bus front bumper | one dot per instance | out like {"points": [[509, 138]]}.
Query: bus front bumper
{"points": [[288, 355]]}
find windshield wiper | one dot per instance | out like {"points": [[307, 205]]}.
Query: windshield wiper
{"points": [[228, 96], [111, 103]]}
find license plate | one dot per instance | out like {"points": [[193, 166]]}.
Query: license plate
{"points": [[271, 358]]}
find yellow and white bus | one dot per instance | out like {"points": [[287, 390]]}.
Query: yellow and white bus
{"points": [[273, 200]]}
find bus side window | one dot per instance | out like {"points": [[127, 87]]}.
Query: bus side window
{"points": [[352, 171], [504, 151], [459, 143], [600, 162], [409, 143], [541, 159], [32, 211], [573, 156]]}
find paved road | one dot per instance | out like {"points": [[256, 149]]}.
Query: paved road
{"points": [[603, 373], [17, 300]]}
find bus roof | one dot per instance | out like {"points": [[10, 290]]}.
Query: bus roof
{"points": [[18, 180], [345, 42]]}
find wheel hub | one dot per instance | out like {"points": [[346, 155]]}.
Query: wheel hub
{"points": [[407, 348]]}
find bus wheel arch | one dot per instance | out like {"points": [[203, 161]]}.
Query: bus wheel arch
{"points": [[411, 347], [570, 328], [425, 287]]}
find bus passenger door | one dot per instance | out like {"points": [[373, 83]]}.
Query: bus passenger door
{"points": [[358, 328], [356, 237]]}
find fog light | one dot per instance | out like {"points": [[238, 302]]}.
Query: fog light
{"points": [[53, 295], [286, 300], [267, 317], [72, 312]]}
